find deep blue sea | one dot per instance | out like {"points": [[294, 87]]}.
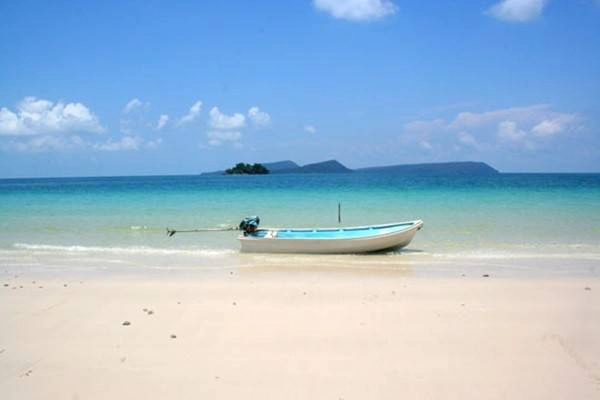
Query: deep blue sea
{"points": [[506, 215]]}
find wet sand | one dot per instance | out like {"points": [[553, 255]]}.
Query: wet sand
{"points": [[308, 334]]}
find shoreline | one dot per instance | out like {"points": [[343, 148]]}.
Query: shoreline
{"points": [[140, 261]]}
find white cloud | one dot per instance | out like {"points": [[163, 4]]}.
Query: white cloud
{"points": [[523, 126], [128, 143], [125, 143], [425, 127], [425, 144], [162, 121], [471, 120], [551, 127], [517, 10], [37, 116], [467, 139], [259, 118], [357, 10], [216, 138], [45, 143], [310, 129], [222, 121], [192, 114], [153, 144], [508, 130], [134, 104]]}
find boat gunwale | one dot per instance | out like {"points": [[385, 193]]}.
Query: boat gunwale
{"points": [[416, 224]]}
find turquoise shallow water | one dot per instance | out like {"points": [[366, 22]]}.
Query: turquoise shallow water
{"points": [[505, 215]]}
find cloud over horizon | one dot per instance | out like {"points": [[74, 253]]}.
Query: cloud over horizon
{"points": [[515, 127], [219, 120], [259, 118], [35, 116], [216, 138], [192, 114]]}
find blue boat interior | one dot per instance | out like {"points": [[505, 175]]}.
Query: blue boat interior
{"points": [[331, 233]]}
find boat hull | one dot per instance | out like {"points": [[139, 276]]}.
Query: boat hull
{"points": [[271, 243]]}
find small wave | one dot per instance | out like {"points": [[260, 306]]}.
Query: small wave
{"points": [[134, 250], [496, 255], [139, 227]]}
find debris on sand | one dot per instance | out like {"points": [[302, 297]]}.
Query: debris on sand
{"points": [[173, 336], [27, 373], [588, 288], [486, 275], [126, 323]]}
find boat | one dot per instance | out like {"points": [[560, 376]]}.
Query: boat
{"points": [[358, 239]]}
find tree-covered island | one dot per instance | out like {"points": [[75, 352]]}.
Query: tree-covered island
{"points": [[247, 169]]}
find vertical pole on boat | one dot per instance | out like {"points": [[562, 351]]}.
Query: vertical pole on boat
{"points": [[339, 212]]}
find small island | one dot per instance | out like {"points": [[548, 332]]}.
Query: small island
{"points": [[247, 169]]}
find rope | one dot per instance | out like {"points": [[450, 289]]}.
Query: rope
{"points": [[171, 232]]}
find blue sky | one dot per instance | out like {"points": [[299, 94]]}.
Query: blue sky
{"points": [[153, 87]]}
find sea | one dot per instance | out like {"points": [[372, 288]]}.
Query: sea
{"points": [[511, 223]]}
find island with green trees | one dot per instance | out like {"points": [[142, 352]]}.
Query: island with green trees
{"points": [[247, 169]]}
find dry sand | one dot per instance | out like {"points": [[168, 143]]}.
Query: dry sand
{"points": [[317, 335]]}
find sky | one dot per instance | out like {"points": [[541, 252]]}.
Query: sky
{"points": [[163, 87]]}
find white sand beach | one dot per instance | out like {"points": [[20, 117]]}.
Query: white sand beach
{"points": [[297, 335]]}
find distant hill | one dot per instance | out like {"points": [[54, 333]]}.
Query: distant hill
{"points": [[325, 167], [448, 168], [458, 168], [279, 165]]}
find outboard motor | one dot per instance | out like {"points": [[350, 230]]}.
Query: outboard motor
{"points": [[249, 225]]}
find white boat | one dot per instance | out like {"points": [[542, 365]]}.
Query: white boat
{"points": [[359, 239]]}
